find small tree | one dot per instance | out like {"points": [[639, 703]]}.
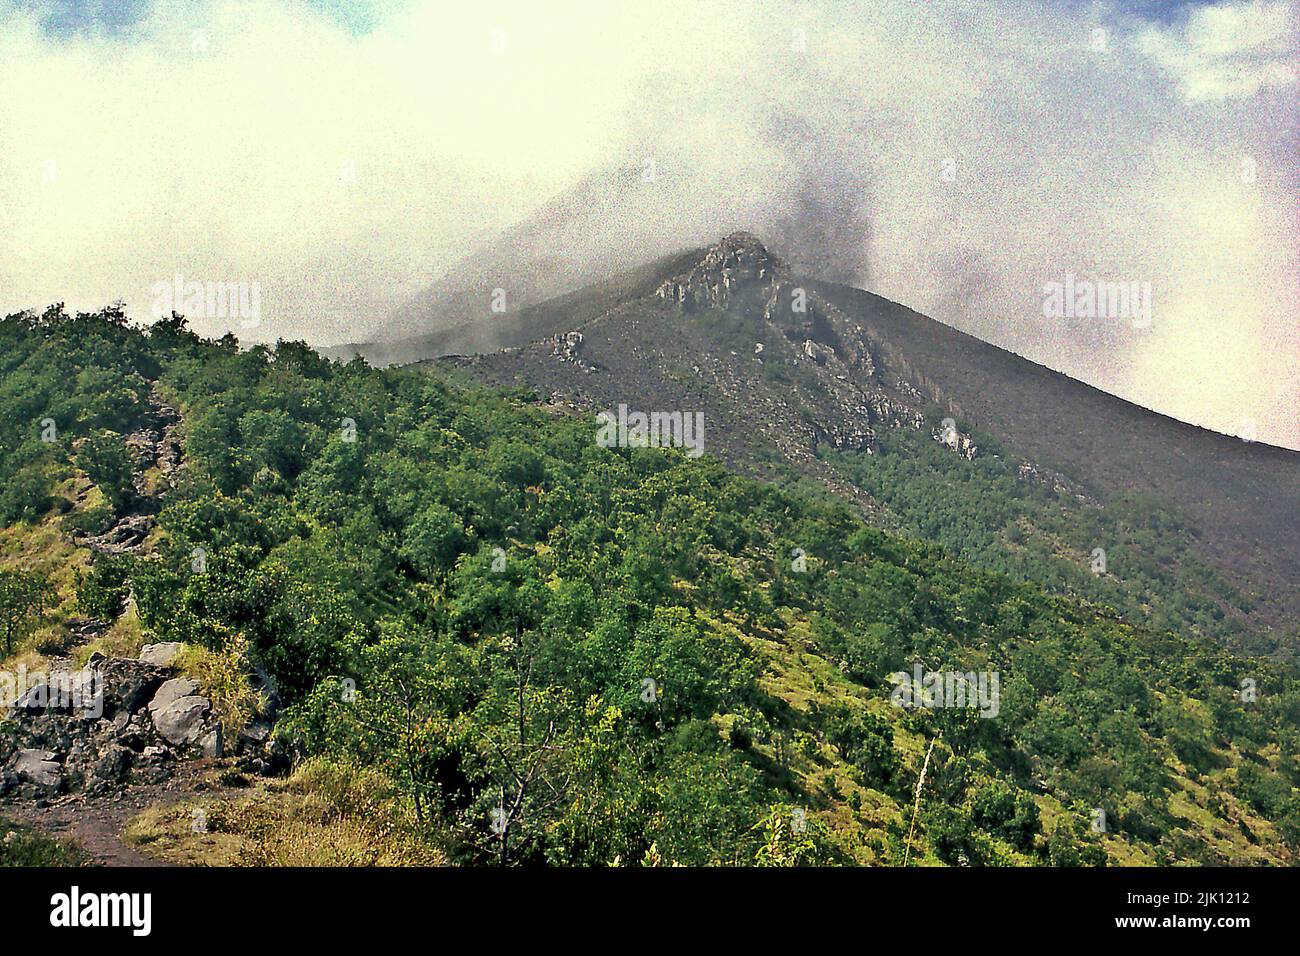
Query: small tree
{"points": [[22, 602], [791, 838], [103, 590], [107, 462], [528, 746]]}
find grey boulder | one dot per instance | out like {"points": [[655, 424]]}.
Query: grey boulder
{"points": [[182, 720], [38, 767], [171, 690], [160, 655]]}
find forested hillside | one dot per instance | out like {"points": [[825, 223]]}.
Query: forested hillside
{"points": [[825, 382], [540, 650], [984, 510]]}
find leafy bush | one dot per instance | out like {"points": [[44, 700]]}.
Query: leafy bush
{"points": [[107, 462], [103, 590], [864, 740]]}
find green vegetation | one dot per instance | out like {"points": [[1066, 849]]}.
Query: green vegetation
{"points": [[983, 511], [48, 399], [20, 845], [104, 458], [22, 601], [531, 649]]}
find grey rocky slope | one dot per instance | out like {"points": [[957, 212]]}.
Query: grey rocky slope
{"points": [[784, 366]]}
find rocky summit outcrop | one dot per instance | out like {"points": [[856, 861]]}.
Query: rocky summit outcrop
{"points": [[114, 722], [737, 273], [850, 397]]}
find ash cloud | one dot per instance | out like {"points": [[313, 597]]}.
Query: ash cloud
{"points": [[954, 157]]}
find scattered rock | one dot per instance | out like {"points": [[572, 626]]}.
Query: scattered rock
{"points": [[157, 753], [127, 685], [738, 271], [171, 690], [210, 743], [1058, 483], [182, 721], [567, 345], [155, 446], [255, 735], [138, 723], [961, 443], [821, 354], [39, 767], [160, 655], [115, 764], [36, 698]]}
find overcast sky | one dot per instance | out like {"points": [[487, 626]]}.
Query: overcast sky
{"points": [[339, 155]]}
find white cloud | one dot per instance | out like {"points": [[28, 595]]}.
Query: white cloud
{"points": [[1229, 50], [341, 173]]}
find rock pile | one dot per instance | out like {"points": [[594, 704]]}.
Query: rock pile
{"points": [[567, 345], [156, 448], [961, 443], [124, 721]]}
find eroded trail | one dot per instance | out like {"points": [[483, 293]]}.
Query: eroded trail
{"points": [[96, 823], [155, 444]]}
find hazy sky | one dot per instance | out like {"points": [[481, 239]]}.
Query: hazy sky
{"points": [[339, 155]]}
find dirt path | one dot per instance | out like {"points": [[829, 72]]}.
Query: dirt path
{"points": [[97, 822]]}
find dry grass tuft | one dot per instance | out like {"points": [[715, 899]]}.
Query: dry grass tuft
{"points": [[326, 814]]}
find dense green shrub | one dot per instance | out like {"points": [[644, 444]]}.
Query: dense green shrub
{"points": [[102, 591]]}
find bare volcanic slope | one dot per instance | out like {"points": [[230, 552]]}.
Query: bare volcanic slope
{"points": [[1243, 496], [790, 371]]}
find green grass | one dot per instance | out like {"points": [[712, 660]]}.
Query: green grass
{"points": [[21, 845]]}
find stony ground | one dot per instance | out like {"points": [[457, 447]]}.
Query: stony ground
{"points": [[96, 823]]}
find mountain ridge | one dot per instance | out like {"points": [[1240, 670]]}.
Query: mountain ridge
{"points": [[796, 371]]}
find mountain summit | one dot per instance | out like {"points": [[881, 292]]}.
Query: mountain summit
{"points": [[739, 267], [1004, 461]]}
